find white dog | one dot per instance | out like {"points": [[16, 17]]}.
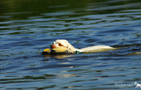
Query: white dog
{"points": [[61, 43]]}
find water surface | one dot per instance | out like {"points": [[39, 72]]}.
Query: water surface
{"points": [[28, 27]]}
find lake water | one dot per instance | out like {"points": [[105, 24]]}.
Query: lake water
{"points": [[29, 26]]}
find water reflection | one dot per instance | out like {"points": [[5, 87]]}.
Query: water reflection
{"points": [[57, 56]]}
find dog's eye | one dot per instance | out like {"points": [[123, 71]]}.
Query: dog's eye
{"points": [[60, 44]]}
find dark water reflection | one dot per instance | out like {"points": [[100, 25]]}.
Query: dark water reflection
{"points": [[29, 26]]}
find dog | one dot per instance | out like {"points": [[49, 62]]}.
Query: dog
{"points": [[63, 46]]}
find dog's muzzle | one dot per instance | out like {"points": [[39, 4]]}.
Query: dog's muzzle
{"points": [[52, 46]]}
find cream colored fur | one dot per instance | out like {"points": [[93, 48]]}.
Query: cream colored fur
{"points": [[66, 44]]}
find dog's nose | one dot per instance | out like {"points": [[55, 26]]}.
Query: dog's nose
{"points": [[52, 46]]}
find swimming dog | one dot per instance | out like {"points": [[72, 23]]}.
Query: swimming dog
{"points": [[62, 46]]}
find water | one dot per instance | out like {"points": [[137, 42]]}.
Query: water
{"points": [[28, 27]]}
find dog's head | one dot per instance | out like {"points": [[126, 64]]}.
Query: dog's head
{"points": [[63, 43]]}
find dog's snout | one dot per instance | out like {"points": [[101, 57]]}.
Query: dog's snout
{"points": [[52, 46]]}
